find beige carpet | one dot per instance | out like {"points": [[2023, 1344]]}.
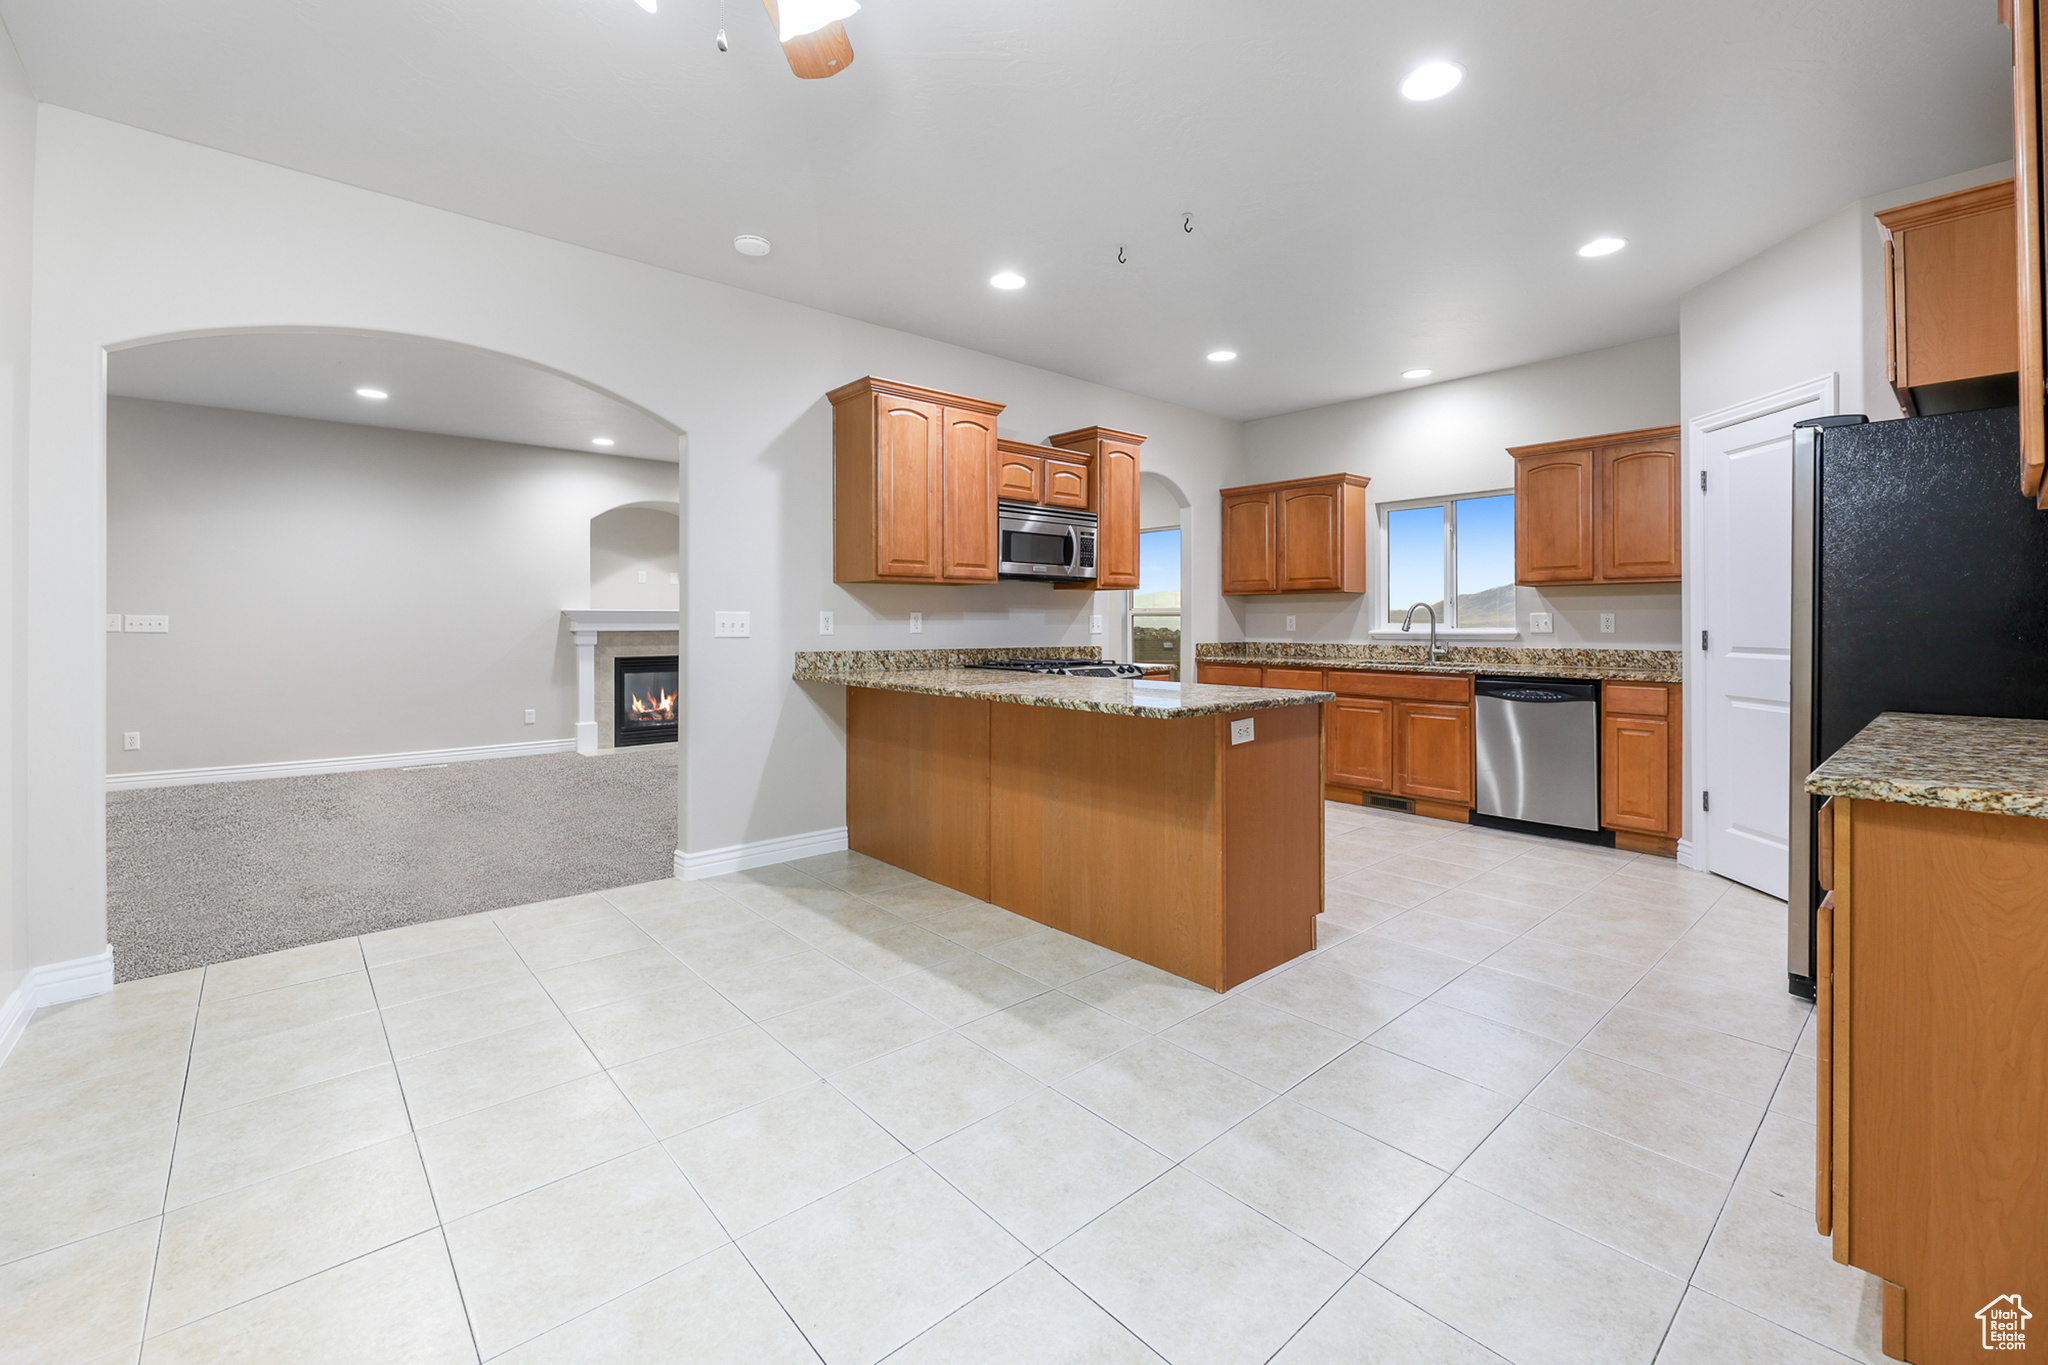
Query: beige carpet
{"points": [[197, 875]]}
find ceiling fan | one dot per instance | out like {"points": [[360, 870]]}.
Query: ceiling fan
{"points": [[812, 37]]}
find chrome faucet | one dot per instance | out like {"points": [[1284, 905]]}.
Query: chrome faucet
{"points": [[1435, 650]]}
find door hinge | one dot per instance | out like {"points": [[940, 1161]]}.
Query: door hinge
{"points": [[1703, 801], [1703, 481], [1703, 642]]}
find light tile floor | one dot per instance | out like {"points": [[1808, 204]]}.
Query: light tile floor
{"points": [[1528, 1101]]}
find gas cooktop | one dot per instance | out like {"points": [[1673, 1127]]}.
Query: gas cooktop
{"points": [[1070, 668]]}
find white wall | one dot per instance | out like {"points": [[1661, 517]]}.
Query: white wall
{"points": [[17, 198], [337, 590], [1453, 438], [140, 236], [633, 558]]}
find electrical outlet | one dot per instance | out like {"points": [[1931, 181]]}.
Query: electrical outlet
{"points": [[1539, 623], [917, 623], [1095, 625], [824, 623], [148, 625], [113, 620], [1290, 623], [131, 739], [1241, 731], [1607, 623], [529, 715], [731, 625]]}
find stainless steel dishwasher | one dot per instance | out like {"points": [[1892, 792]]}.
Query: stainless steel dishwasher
{"points": [[1539, 750]]}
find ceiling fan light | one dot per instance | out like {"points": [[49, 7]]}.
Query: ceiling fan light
{"points": [[798, 17]]}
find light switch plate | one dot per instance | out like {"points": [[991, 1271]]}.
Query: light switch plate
{"points": [[1290, 623], [1539, 623], [113, 620], [917, 623], [131, 739], [732, 625], [1607, 623], [674, 579], [824, 623], [1241, 731], [148, 625], [1095, 625]]}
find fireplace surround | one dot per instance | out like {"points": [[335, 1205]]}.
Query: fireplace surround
{"points": [[644, 699]]}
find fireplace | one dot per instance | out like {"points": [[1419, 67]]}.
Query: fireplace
{"points": [[644, 700]]}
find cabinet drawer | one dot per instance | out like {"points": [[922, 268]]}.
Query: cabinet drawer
{"points": [[1407, 686], [1635, 699], [1227, 675], [1298, 679]]}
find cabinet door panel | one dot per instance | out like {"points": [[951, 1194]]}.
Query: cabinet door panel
{"points": [[908, 438], [1116, 543], [969, 536], [1066, 484], [1554, 518], [1311, 538], [1358, 743], [1228, 675], [1018, 477], [1249, 548], [1639, 507], [1435, 752], [1296, 679], [1635, 774]]}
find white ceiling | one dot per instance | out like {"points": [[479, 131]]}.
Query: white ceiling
{"points": [[1341, 236], [433, 386]]}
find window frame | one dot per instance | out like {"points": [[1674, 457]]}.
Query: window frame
{"points": [[1132, 611], [1384, 571]]}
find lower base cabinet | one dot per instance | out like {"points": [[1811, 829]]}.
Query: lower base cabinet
{"points": [[1642, 792], [1358, 744]]}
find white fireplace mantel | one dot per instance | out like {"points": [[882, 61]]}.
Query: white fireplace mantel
{"points": [[586, 624]]}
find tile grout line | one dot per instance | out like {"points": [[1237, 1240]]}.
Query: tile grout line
{"points": [[170, 1169]]}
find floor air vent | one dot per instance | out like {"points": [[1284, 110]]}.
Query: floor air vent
{"points": [[1391, 803]]}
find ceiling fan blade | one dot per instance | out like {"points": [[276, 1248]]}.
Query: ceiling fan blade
{"points": [[814, 56]]}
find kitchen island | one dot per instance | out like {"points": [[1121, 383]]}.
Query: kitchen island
{"points": [[1126, 813]]}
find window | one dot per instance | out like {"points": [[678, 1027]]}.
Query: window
{"points": [[1457, 555], [1155, 606]]}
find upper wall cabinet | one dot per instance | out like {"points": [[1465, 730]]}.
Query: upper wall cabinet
{"points": [[1952, 300], [1604, 509], [1305, 535], [1043, 474], [1111, 487], [915, 482]]}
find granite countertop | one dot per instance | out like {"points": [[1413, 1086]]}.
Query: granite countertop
{"points": [[1980, 763], [944, 676], [1605, 665]]}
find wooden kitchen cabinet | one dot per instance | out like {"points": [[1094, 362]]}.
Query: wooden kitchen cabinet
{"points": [[1952, 299], [1113, 496], [1642, 791], [1066, 484], [1042, 475], [1304, 535], [1433, 748], [1602, 509], [2030, 198], [1228, 675], [914, 485], [1358, 743], [1932, 1073], [1397, 734]]}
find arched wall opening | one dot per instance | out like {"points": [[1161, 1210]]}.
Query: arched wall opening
{"points": [[1157, 625]]}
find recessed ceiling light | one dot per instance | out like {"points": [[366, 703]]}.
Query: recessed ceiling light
{"points": [[647, 5], [1221, 356], [374, 395], [1417, 374], [1007, 279], [747, 244], [1432, 80], [602, 441], [1603, 246]]}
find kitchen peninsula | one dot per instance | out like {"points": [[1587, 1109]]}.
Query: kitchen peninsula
{"points": [[1136, 815]]}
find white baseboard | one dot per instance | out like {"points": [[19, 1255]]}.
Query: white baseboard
{"points": [[1685, 854], [716, 862], [360, 763], [53, 983]]}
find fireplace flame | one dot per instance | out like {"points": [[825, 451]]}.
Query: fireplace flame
{"points": [[658, 705]]}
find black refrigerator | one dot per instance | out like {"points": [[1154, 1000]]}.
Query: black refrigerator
{"points": [[1919, 584]]}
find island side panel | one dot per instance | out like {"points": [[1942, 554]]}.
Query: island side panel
{"points": [[1109, 828], [917, 784], [1272, 841]]}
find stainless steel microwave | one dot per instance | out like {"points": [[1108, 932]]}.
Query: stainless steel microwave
{"points": [[1045, 542]]}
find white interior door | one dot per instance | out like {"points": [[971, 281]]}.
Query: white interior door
{"points": [[1746, 708]]}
